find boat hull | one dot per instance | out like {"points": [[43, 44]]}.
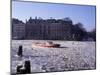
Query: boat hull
{"points": [[47, 46]]}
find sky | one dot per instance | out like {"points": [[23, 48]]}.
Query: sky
{"points": [[84, 14]]}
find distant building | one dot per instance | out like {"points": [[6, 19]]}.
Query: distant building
{"points": [[18, 31], [50, 29]]}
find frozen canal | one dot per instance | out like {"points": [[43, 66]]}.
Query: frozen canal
{"points": [[70, 56]]}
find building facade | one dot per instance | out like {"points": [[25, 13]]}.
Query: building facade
{"points": [[42, 29], [18, 31]]}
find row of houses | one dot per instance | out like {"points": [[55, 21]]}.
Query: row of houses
{"points": [[41, 29], [49, 29]]}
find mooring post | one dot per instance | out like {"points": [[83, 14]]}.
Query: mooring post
{"points": [[27, 66], [19, 69], [20, 51]]}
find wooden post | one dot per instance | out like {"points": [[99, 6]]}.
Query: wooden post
{"points": [[19, 69], [20, 51], [27, 66]]}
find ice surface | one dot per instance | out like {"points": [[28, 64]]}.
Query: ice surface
{"points": [[72, 55]]}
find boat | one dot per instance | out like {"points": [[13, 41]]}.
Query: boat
{"points": [[46, 44]]}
